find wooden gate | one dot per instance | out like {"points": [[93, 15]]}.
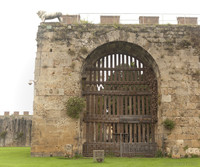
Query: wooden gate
{"points": [[121, 95]]}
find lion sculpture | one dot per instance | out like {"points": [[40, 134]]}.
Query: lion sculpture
{"points": [[47, 16]]}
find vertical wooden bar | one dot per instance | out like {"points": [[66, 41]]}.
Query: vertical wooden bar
{"points": [[87, 132], [147, 105], [139, 71], [143, 133], [107, 68], [143, 110], [94, 132], [92, 102], [130, 103], [105, 105], [98, 71], [103, 70], [134, 104], [113, 133], [109, 132], [104, 132], [101, 105], [113, 104], [138, 102], [95, 78], [97, 132], [101, 132], [126, 105], [96, 105], [118, 132], [147, 133], [131, 133], [152, 133], [126, 133], [111, 66], [109, 105], [135, 133], [139, 133]]}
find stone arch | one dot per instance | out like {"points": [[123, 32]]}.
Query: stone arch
{"points": [[120, 47]]}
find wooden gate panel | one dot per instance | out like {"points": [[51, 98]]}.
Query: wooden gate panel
{"points": [[121, 94]]}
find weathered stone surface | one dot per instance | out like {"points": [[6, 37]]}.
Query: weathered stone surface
{"points": [[173, 52], [17, 130]]}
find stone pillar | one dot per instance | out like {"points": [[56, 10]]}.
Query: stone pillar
{"points": [[110, 19], [149, 20], [71, 19], [187, 20]]}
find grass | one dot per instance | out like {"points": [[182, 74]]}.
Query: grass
{"points": [[20, 157]]}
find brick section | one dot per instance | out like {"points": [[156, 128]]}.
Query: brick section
{"points": [[26, 113], [187, 20], [71, 19], [16, 113], [149, 20], [6, 113], [110, 19]]}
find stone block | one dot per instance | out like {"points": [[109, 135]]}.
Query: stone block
{"points": [[16, 113], [6, 113], [110, 19], [166, 98], [71, 19], [149, 20], [98, 155], [26, 113], [187, 20]]}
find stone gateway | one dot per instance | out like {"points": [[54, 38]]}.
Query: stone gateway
{"points": [[133, 78]]}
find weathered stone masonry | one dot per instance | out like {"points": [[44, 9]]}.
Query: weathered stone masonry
{"points": [[15, 130], [61, 55]]}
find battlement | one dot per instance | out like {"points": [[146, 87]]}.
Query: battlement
{"points": [[131, 18], [16, 114]]}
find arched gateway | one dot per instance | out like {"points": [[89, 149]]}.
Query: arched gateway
{"points": [[120, 87]]}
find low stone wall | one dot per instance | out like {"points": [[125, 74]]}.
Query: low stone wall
{"points": [[15, 130]]}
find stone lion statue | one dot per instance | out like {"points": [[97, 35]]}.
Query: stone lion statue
{"points": [[47, 16]]}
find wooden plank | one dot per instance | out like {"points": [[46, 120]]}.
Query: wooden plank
{"points": [[131, 133], [134, 105], [111, 66], [103, 79], [126, 105], [100, 131], [143, 132], [139, 133], [96, 105], [104, 132], [105, 104], [113, 104], [126, 133], [118, 132], [130, 103], [87, 132], [101, 105], [147, 105], [113, 133], [109, 132], [98, 71], [143, 105], [135, 133], [109, 105], [152, 133], [107, 68], [117, 83], [147, 133], [138, 106], [97, 132]]}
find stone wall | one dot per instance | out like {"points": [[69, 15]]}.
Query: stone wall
{"points": [[15, 130], [61, 54]]}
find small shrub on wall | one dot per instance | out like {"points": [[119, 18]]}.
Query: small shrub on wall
{"points": [[169, 124], [75, 106]]}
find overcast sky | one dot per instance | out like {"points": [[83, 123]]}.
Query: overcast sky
{"points": [[18, 30]]}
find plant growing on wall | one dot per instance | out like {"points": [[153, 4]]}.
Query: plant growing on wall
{"points": [[169, 124], [3, 134], [75, 106]]}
